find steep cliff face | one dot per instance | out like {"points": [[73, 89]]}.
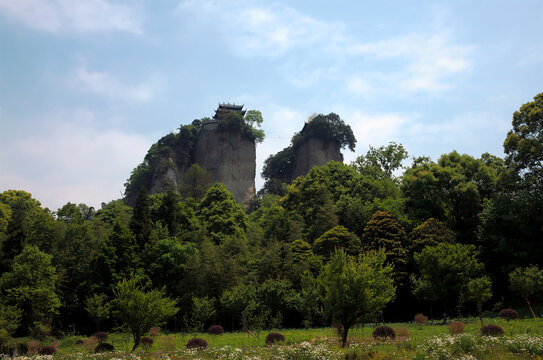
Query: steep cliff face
{"points": [[229, 158], [315, 151]]}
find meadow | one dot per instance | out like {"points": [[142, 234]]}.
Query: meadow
{"points": [[522, 339]]}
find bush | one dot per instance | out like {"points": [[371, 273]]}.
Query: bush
{"points": [[79, 342], [32, 347], [491, 330], [384, 332], [154, 331], [100, 336], [273, 338], [47, 350], [196, 343], [508, 314], [215, 330], [402, 331], [146, 342], [167, 342], [103, 347], [456, 327], [421, 319]]}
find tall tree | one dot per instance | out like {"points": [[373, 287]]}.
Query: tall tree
{"points": [[139, 309], [524, 147], [384, 232], [31, 287], [141, 224], [221, 216], [382, 161], [445, 271], [356, 289], [527, 282]]}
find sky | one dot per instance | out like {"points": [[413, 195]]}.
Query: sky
{"points": [[87, 86]]}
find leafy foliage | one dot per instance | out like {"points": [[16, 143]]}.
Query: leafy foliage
{"points": [[446, 270], [31, 287], [139, 309], [357, 289], [527, 282]]}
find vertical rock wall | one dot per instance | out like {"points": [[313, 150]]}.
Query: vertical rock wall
{"points": [[315, 152], [229, 158]]}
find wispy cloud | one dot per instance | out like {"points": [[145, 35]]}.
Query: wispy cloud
{"points": [[109, 86], [82, 16], [426, 62], [257, 31], [67, 158]]}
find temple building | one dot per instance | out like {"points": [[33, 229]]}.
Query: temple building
{"points": [[226, 108]]}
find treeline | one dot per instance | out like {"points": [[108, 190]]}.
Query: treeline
{"points": [[452, 232]]}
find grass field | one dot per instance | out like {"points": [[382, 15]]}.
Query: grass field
{"points": [[522, 339]]}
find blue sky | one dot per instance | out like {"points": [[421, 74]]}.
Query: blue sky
{"points": [[87, 86]]}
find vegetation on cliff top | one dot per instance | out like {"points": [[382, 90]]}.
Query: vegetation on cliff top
{"points": [[178, 147], [326, 127]]}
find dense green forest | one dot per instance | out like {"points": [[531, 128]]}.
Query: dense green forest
{"points": [[459, 235]]}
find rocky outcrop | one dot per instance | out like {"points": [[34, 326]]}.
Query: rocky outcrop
{"points": [[229, 158], [315, 151]]}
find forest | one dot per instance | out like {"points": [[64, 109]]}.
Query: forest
{"points": [[377, 240]]}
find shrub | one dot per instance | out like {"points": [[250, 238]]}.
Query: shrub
{"points": [[508, 314], [90, 343], [456, 327], [273, 338], [421, 319], [79, 342], [402, 331], [146, 342], [167, 342], [215, 330], [196, 343], [491, 330], [101, 336], [384, 332], [32, 347], [47, 350], [103, 347], [154, 331]]}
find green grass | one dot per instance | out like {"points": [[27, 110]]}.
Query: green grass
{"points": [[418, 344]]}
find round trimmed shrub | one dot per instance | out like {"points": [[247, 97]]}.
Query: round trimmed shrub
{"points": [[508, 314], [103, 347], [421, 319], [154, 331], [216, 330], [456, 327], [273, 338], [491, 330], [146, 342], [47, 350], [101, 336], [384, 332], [195, 343]]}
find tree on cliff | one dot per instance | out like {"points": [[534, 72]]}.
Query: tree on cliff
{"points": [[326, 127]]}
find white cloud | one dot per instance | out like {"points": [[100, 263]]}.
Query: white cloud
{"points": [[256, 31], [107, 85], [426, 61], [66, 158], [82, 16]]}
